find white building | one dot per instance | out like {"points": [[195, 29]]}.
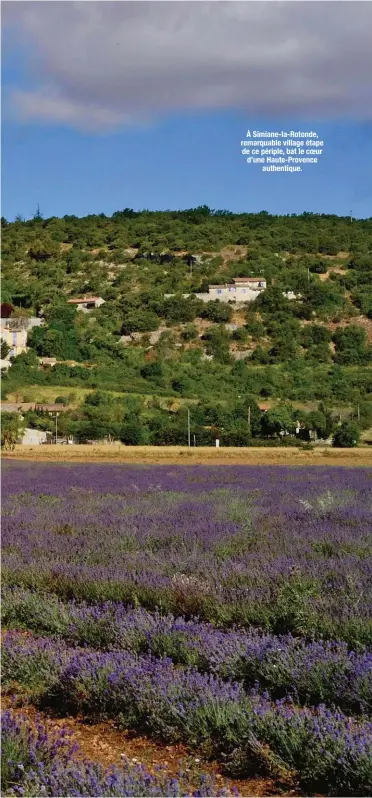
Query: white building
{"points": [[16, 338], [242, 289], [30, 437], [22, 322], [87, 303]]}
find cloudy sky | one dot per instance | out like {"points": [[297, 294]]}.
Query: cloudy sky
{"points": [[110, 104]]}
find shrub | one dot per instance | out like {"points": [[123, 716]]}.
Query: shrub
{"points": [[347, 435]]}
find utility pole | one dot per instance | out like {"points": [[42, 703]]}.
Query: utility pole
{"points": [[194, 439], [188, 428], [308, 275], [351, 216], [249, 416], [56, 426], [358, 412]]}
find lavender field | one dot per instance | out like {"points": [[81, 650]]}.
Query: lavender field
{"points": [[224, 608]]}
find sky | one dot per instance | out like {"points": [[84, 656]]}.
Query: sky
{"points": [[107, 105]]}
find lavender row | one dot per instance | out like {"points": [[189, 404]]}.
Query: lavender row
{"points": [[37, 762], [311, 672], [288, 550], [330, 752]]}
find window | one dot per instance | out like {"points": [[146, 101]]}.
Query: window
{"points": [[219, 291]]}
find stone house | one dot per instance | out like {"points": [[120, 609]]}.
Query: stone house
{"points": [[87, 303], [242, 289], [16, 338]]}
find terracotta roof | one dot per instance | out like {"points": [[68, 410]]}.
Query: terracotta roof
{"points": [[14, 407], [84, 299]]}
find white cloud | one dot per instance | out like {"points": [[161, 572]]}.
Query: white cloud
{"points": [[101, 65]]}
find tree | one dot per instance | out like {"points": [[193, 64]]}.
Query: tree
{"points": [[277, 420], [144, 321], [272, 301], [9, 430], [216, 311], [61, 400], [133, 433], [4, 349], [347, 435], [314, 334], [152, 371], [43, 249], [239, 434], [351, 346], [38, 216], [189, 332]]}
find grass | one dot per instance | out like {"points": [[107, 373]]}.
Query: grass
{"points": [[173, 455]]}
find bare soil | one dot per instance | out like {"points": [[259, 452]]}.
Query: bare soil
{"points": [[178, 455]]}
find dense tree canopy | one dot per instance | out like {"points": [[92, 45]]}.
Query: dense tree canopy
{"points": [[153, 337]]}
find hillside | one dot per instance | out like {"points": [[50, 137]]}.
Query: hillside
{"points": [[150, 351]]}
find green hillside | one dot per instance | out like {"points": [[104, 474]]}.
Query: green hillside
{"points": [[148, 355]]}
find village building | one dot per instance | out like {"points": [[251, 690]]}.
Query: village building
{"points": [[242, 289], [87, 303], [47, 361], [16, 338], [21, 322]]}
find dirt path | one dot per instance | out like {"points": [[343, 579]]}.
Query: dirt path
{"points": [[177, 455], [103, 743]]}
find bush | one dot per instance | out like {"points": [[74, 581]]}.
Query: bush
{"points": [[216, 311], [347, 435]]}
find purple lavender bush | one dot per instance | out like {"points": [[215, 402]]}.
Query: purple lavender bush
{"points": [[284, 549], [330, 752], [311, 672], [225, 607], [37, 763]]}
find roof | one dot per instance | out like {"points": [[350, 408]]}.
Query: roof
{"points": [[16, 329], [78, 301], [15, 407], [240, 281], [248, 279], [50, 407]]}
